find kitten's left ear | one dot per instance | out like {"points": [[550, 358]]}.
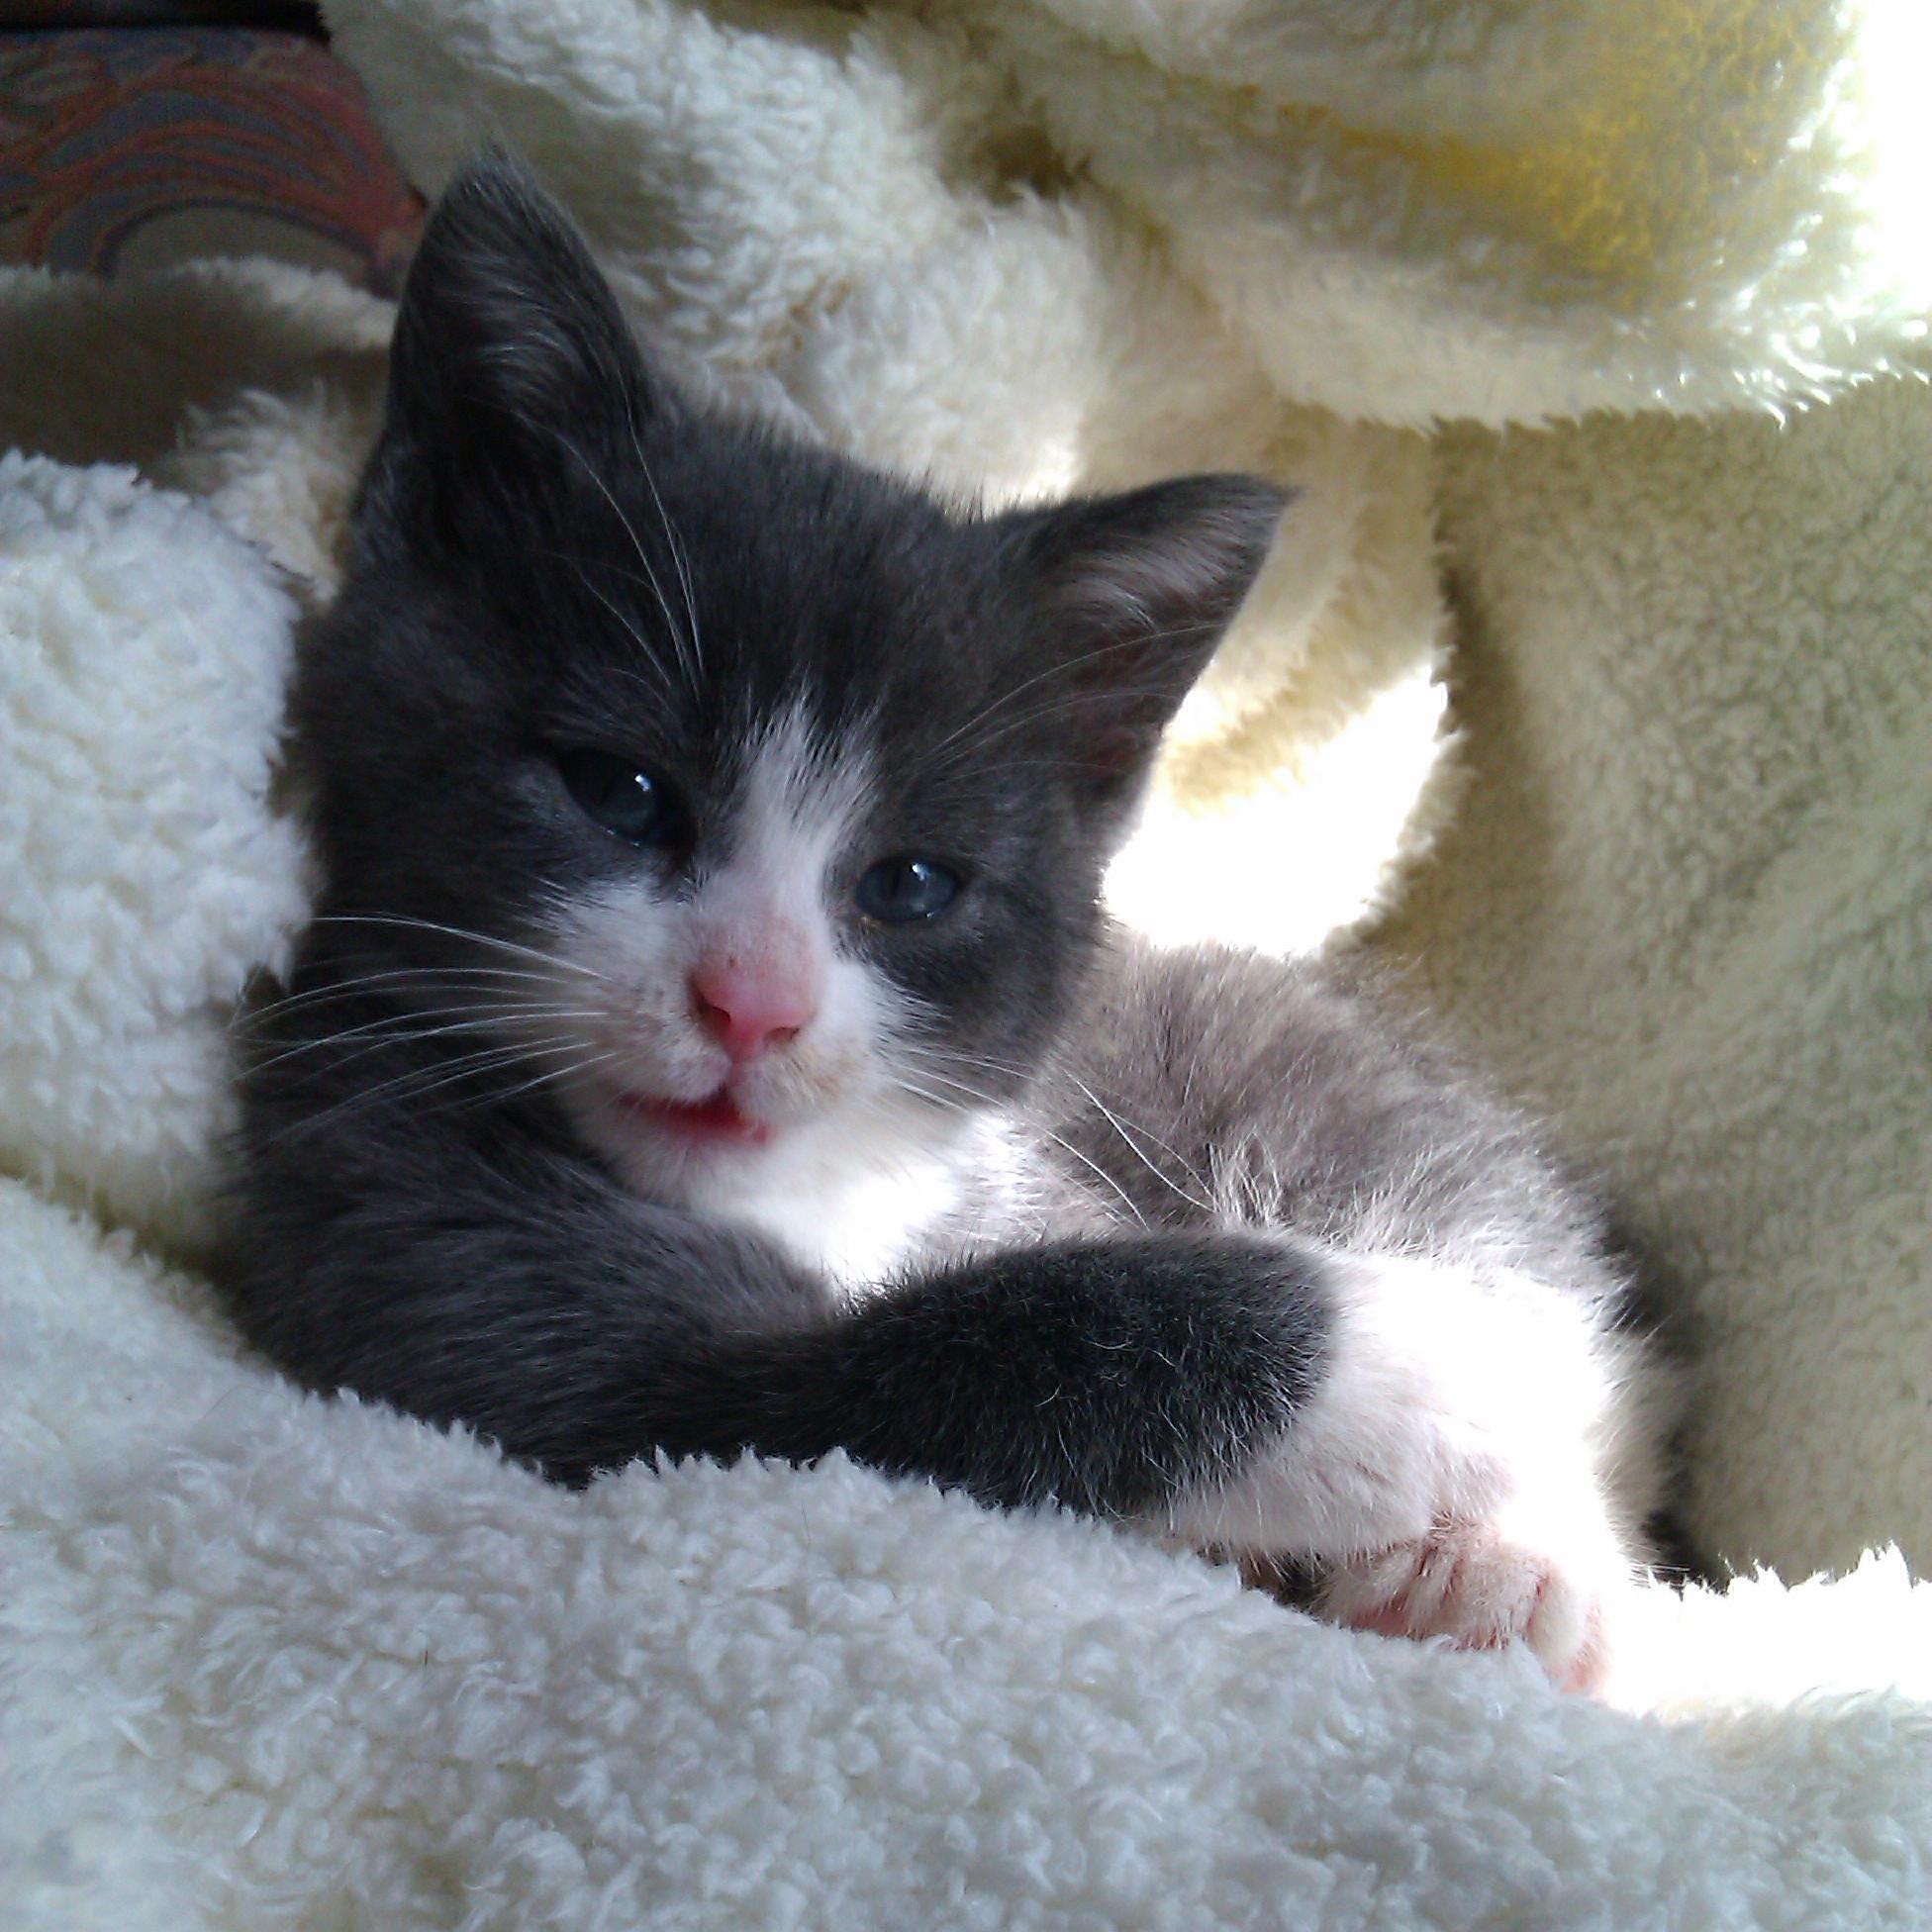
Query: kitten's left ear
{"points": [[1135, 591], [509, 341]]}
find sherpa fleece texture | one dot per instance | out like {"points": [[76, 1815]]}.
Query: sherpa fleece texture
{"points": [[1403, 210], [1026, 247], [269, 1661]]}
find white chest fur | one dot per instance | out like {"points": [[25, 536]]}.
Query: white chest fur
{"points": [[860, 1221]]}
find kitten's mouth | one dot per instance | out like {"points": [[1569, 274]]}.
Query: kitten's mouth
{"points": [[718, 1119]]}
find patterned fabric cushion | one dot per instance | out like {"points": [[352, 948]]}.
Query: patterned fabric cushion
{"points": [[149, 13], [132, 148]]}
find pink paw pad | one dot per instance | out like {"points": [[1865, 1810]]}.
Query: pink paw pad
{"points": [[1467, 1583]]}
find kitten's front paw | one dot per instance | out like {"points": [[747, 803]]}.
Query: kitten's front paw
{"points": [[1472, 1583]]}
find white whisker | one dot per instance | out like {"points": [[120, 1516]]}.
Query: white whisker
{"points": [[1121, 1127], [435, 979], [1138, 641], [555, 961], [687, 652], [399, 1028], [1067, 1146], [678, 560], [463, 1066]]}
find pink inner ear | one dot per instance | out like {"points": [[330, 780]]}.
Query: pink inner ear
{"points": [[1116, 748]]}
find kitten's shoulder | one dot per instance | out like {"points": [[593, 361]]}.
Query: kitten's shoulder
{"points": [[1221, 1001]]}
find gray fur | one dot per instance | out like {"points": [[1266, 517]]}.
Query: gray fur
{"points": [[552, 547]]}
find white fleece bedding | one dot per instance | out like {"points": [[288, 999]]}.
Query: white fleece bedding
{"points": [[267, 1661]]}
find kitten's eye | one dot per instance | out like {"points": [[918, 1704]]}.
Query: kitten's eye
{"points": [[621, 797], [902, 890]]}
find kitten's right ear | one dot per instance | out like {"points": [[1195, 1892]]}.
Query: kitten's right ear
{"points": [[509, 347], [1134, 591]]}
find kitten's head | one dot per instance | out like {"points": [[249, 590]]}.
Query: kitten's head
{"points": [[761, 802]]}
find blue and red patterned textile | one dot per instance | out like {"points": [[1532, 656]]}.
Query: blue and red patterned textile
{"points": [[124, 147]]}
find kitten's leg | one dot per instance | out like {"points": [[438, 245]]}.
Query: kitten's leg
{"points": [[581, 1328], [1448, 1471]]}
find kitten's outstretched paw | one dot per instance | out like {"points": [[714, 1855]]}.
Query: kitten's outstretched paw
{"points": [[1470, 1583]]}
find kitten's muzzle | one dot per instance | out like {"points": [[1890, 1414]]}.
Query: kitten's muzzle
{"points": [[749, 1009]]}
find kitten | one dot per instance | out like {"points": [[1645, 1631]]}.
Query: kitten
{"points": [[709, 1038]]}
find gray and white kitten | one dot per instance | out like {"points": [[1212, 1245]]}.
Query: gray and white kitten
{"points": [[710, 1040]]}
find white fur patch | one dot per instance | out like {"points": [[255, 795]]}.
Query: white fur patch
{"points": [[1442, 1394], [852, 1167], [1456, 1464], [855, 1208]]}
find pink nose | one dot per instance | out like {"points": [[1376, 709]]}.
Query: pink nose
{"points": [[747, 1010]]}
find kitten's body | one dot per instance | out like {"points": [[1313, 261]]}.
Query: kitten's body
{"points": [[709, 1039]]}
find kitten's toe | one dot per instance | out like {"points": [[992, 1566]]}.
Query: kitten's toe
{"points": [[1472, 1583]]}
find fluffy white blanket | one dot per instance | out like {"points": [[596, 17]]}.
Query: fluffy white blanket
{"points": [[269, 1661]]}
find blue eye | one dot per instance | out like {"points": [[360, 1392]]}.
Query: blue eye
{"points": [[902, 890], [611, 791]]}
